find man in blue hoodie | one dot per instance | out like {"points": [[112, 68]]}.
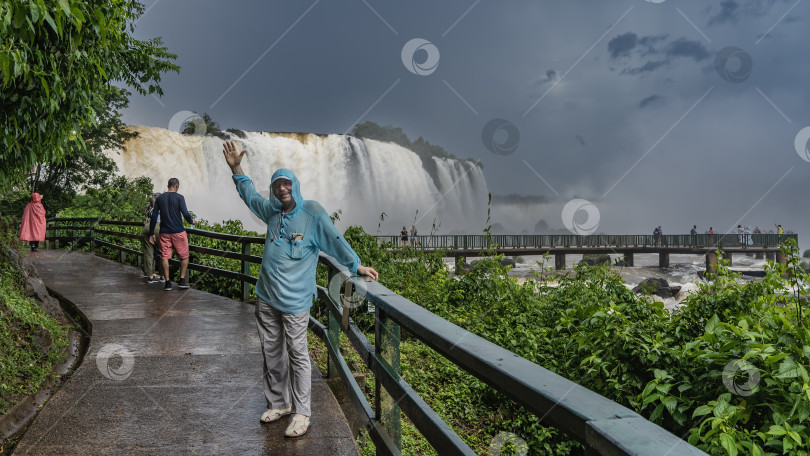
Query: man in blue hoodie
{"points": [[297, 230]]}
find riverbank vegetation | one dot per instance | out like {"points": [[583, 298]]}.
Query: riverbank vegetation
{"points": [[31, 342], [728, 371]]}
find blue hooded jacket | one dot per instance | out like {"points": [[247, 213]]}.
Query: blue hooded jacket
{"points": [[287, 276]]}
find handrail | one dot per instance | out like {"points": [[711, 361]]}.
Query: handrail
{"points": [[540, 241], [602, 426]]}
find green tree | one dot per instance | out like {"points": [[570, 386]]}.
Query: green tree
{"points": [[58, 60], [189, 127], [122, 199]]}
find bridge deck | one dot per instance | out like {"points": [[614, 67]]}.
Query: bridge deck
{"points": [[195, 385]]}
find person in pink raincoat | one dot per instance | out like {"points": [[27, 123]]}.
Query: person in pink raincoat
{"points": [[32, 227]]}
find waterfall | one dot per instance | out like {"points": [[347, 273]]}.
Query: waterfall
{"points": [[361, 177]]}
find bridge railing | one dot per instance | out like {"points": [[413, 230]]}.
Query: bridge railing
{"points": [[602, 426], [539, 241]]}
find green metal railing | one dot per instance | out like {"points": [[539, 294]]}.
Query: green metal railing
{"points": [[540, 241], [602, 426]]}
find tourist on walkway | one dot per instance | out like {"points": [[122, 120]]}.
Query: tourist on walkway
{"points": [[170, 207], [297, 230], [779, 233], [403, 236], [413, 235], [147, 248], [693, 232], [32, 226]]}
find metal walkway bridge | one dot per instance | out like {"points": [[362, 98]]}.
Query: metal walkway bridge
{"points": [[559, 245], [204, 393]]}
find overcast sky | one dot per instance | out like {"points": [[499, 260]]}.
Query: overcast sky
{"points": [[659, 112]]}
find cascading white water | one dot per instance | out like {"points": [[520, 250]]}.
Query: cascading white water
{"points": [[361, 177]]}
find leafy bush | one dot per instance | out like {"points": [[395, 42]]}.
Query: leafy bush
{"points": [[122, 199], [23, 366]]}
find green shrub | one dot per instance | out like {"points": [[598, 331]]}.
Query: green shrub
{"points": [[24, 367]]}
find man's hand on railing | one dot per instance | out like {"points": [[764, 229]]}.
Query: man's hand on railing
{"points": [[366, 271]]}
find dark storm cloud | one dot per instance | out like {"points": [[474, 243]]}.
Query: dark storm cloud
{"points": [[646, 68], [652, 99], [581, 140], [686, 48], [729, 12], [551, 75], [628, 45], [622, 45], [732, 11]]}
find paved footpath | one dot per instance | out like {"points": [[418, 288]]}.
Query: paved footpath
{"points": [[175, 372]]}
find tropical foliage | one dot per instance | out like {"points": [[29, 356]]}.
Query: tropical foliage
{"points": [[58, 61]]}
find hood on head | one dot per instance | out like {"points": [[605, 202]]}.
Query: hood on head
{"points": [[296, 189], [36, 197]]}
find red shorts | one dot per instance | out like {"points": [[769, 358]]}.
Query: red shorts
{"points": [[178, 241]]}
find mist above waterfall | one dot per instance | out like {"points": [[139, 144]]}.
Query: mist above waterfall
{"points": [[363, 178]]}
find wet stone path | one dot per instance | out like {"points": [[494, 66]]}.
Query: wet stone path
{"points": [[166, 372]]}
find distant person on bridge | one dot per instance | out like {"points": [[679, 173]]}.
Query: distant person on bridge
{"points": [[403, 236], [694, 233], [413, 235], [171, 208], [657, 236], [297, 230], [32, 226]]}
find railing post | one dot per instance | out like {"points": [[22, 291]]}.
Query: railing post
{"points": [[332, 330], [93, 237], [386, 341], [245, 271], [333, 338]]}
